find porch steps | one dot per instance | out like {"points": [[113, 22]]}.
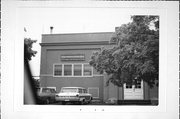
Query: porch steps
{"points": [[134, 102]]}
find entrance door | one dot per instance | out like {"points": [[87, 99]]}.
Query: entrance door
{"points": [[133, 92]]}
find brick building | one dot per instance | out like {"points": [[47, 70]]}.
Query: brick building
{"points": [[65, 62]]}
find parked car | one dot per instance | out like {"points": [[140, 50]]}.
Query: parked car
{"points": [[77, 95], [46, 95]]}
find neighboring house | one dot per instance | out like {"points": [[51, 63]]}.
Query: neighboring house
{"points": [[65, 62]]}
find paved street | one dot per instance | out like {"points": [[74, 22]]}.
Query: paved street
{"points": [[68, 103]]}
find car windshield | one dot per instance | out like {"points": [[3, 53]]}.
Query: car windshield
{"points": [[45, 90], [66, 90]]}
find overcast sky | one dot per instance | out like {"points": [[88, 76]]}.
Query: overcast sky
{"points": [[37, 21]]}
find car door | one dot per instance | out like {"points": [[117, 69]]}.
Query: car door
{"points": [[81, 94], [52, 94]]}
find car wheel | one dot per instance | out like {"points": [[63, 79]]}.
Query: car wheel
{"points": [[89, 102], [81, 102]]}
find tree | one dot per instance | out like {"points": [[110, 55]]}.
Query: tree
{"points": [[36, 83], [136, 55], [28, 52]]}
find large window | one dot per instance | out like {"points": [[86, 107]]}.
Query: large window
{"points": [[68, 70], [87, 70], [76, 70], [58, 70]]}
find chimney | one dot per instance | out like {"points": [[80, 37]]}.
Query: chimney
{"points": [[51, 29]]}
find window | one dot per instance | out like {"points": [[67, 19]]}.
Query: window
{"points": [[68, 70], [84, 91], [87, 70], [77, 70], [53, 90], [58, 70], [69, 90], [80, 90], [46, 90]]}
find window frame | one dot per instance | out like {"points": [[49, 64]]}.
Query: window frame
{"points": [[91, 70], [61, 70], [72, 70]]}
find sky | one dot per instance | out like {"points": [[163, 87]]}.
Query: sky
{"points": [[37, 21]]}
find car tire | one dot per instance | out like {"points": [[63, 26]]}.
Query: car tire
{"points": [[89, 102], [81, 102]]}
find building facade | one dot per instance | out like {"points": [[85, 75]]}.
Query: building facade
{"points": [[65, 62]]}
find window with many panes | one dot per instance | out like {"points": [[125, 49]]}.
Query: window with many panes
{"points": [[87, 70], [68, 70], [77, 69], [58, 70], [72, 70]]}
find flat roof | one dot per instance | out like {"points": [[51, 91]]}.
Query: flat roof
{"points": [[77, 37], [72, 87], [77, 33]]}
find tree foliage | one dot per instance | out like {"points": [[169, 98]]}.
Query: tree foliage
{"points": [[28, 52], [36, 83], [136, 55]]}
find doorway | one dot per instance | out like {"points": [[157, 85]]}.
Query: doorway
{"points": [[133, 92]]}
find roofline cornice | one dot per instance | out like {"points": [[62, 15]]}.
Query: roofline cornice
{"points": [[77, 33], [77, 43]]}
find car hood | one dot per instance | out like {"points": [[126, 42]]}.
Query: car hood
{"points": [[67, 94]]}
